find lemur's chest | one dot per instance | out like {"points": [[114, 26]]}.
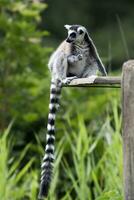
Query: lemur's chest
{"points": [[78, 67]]}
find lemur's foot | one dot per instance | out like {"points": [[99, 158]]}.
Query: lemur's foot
{"points": [[67, 80]]}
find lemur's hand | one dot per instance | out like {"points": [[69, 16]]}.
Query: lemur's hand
{"points": [[80, 56], [67, 80], [74, 58]]}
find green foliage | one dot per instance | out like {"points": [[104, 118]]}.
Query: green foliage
{"points": [[94, 167], [17, 182], [88, 165], [88, 161], [22, 61]]}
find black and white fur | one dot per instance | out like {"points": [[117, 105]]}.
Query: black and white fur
{"points": [[77, 56]]}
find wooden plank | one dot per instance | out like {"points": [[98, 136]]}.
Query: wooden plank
{"points": [[99, 81], [128, 128]]}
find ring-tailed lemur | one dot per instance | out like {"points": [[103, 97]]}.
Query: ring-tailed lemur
{"points": [[77, 56]]}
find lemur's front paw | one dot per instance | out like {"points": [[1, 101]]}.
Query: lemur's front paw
{"points": [[80, 56], [67, 80]]}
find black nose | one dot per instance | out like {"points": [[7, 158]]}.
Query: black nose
{"points": [[69, 40], [73, 35]]}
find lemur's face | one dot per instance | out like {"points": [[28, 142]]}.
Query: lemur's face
{"points": [[76, 33]]}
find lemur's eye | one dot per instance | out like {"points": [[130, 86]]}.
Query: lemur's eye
{"points": [[73, 35], [81, 32]]}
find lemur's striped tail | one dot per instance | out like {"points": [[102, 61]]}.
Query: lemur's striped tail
{"points": [[47, 164]]}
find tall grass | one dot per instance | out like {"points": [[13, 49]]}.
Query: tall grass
{"points": [[17, 180], [88, 164], [95, 166]]}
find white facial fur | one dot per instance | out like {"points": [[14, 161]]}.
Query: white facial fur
{"points": [[67, 26], [82, 28]]}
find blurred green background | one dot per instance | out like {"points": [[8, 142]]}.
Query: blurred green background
{"points": [[88, 162]]}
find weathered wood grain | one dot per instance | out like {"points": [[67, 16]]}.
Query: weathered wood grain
{"points": [[107, 81], [128, 128]]}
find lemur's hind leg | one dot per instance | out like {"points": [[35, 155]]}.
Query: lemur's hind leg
{"points": [[60, 66]]}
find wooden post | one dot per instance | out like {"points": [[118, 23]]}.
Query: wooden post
{"points": [[128, 128]]}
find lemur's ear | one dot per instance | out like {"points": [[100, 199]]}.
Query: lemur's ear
{"points": [[67, 26]]}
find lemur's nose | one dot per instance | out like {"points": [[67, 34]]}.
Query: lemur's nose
{"points": [[69, 40], [73, 35]]}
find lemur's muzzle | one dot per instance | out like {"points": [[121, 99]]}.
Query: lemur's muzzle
{"points": [[71, 37], [69, 40]]}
